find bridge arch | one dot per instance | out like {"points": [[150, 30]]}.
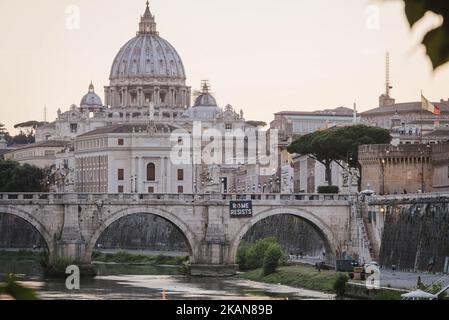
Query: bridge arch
{"points": [[328, 237], [31, 219], [187, 233]]}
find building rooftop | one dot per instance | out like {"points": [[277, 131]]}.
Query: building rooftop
{"points": [[441, 132], [406, 107], [44, 144], [129, 128], [340, 111]]}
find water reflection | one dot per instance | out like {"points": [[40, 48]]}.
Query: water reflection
{"points": [[144, 282]]}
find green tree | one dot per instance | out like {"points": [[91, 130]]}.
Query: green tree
{"points": [[317, 145], [15, 290], [339, 145], [340, 284], [436, 41], [21, 178], [24, 137], [271, 260], [251, 256], [351, 138], [242, 254], [3, 129], [5, 133]]}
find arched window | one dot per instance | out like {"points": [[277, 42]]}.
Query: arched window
{"points": [[151, 172]]}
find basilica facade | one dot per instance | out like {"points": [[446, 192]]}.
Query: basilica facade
{"points": [[123, 145]]}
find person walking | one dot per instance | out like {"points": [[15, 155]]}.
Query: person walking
{"points": [[419, 283], [430, 264]]}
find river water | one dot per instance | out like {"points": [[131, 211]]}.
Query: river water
{"points": [[143, 282]]}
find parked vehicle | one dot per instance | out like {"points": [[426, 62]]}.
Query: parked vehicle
{"points": [[361, 272]]}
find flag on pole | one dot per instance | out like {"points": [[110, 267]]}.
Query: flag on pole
{"points": [[427, 105]]}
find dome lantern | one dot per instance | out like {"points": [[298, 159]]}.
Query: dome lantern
{"points": [[147, 23]]}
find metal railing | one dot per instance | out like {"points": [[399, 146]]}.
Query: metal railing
{"points": [[407, 197], [439, 286]]}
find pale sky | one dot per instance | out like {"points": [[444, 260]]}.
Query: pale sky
{"points": [[259, 55]]}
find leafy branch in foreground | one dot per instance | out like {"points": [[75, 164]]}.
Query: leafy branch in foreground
{"points": [[436, 41]]}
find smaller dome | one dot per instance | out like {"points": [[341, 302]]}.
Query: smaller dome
{"points": [[91, 100], [205, 99], [205, 106]]}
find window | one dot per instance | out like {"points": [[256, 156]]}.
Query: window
{"points": [[151, 172], [150, 189], [121, 142], [73, 128], [120, 189], [180, 174], [228, 127], [121, 174], [180, 189]]}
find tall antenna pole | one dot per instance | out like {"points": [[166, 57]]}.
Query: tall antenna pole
{"points": [[45, 113], [388, 86], [387, 74]]}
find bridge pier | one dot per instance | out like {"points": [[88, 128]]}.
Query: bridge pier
{"points": [[210, 270], [71, 244], [212, 259], [73, 250]]}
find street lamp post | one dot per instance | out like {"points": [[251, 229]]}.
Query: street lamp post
{"points": [[383, 176], [387, 152]]}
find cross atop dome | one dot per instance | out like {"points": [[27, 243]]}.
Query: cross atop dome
{"points": [[147, 23]]}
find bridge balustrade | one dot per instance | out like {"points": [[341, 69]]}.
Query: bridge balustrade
{"points": [[177, 197]]}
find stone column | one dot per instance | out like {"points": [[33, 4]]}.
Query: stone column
{"points": [[140, 98], [172, 102], [187, 97], [132, 174], [140, 175], [156, 97], [71, 244], [182, 100], [212, 257], [107, 96], [162, 178], [114, 97]]}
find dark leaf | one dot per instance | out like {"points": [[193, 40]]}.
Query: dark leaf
{"points": [[415, 10], [437, 46]]}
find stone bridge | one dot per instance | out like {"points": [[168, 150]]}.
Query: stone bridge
{"points": [[71, 224]]}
